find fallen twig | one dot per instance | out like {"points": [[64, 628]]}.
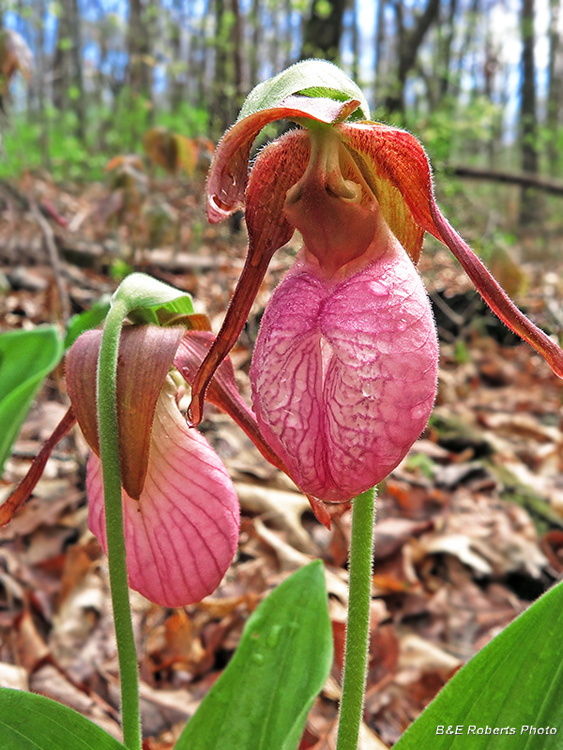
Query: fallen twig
{"points": [[53, 253]]}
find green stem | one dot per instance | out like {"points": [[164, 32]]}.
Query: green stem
{"points": [[357, 631], [109, 453]]}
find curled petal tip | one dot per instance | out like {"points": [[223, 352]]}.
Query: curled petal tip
{"points": [[195, 411], [217, 210]]}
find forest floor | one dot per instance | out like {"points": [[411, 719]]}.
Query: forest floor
{"points": [[470, 525]]}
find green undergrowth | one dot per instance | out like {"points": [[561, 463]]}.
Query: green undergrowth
{"points": [[31, 143]]}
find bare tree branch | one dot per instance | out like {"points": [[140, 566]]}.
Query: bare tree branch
{"points": [[523, 179]]}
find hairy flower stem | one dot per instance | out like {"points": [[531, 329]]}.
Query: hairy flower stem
{"points": [[109, 454], [357, 632]]}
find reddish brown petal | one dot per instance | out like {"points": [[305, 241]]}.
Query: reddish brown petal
{"points": [[396, 168], [228, 174], [321, 511], [28, 483], [279, 166], [400, 175], [199, 322], [222, 390], [81, 366], [145, 357], [495, 296]]}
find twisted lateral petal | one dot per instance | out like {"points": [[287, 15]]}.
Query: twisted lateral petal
{"points": [[279, 166], [181, 535], [344, 374], [23, 491], [495, 296], [228, 174], [396, 168], [223, 393]]}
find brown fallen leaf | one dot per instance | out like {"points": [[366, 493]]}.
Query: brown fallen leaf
{"points": [[282, 509], [13, 677], [30, 649]]}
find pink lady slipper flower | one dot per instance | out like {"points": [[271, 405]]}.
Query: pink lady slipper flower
{"points": [[180, 508], [181, 511], [345, 364]]}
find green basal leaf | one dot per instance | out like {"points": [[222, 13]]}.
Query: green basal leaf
{"points": [[33, 722], [26, 357], [317, 78], [508, 696], [86, 320], [262, 699]]}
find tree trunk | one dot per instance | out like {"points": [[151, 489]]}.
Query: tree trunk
{"points": [[288, 32], [529, 202], [220, 116], [44, 140], [197, 61], [255, 43], [178, 76], [68, 82], [139, 69], [379, 51], [227, 76], [62, 59], [237, 54], [469, 38], [555, 90], [76, 77], [446, 73], [409, 45], [355, 42], [323, 31]]}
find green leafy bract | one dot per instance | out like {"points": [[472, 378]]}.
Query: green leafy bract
{"points": [[315, 78], [151, 301], [262, 699]]}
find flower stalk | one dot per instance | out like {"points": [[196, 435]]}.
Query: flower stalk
{"points": [[357, 631], [109, 453]]}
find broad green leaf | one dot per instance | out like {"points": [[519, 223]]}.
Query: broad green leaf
{"points": [[26, 357], [262, 699], [33, 722], [148, 300], [311, 78], [515, 684], [86, 320]]}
